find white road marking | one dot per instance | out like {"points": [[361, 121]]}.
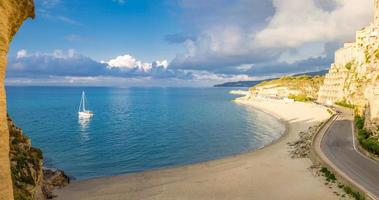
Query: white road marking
{"points": [[355, 146], [331, 164], [360, 153]]}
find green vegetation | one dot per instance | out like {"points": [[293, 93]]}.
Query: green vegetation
{"points": [[20, 195], [349, 65], [368, 142], [329, 175], [359, 122], [345, 104], [376, 54], [301, 97], [26, 164], [330, 111], [293, 81], [356, 195], [367, 56], [306, 86], [290, 79]]}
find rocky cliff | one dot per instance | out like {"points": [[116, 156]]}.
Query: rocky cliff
{"points": [[300, 88], [26, 165], [354, 76], [30, 179], [12, 15]]}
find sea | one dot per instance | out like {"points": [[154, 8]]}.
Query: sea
{"points": [[137, 129]]}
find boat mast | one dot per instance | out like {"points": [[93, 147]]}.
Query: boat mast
{"points": [[84, 102], [80, 105]]}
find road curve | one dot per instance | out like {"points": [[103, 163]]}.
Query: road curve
{"points": [[338, 146]]}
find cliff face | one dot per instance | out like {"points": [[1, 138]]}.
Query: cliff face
{"points": [[354, 76], [12, 15], [296, 87], [26, 165], [30, 179]]}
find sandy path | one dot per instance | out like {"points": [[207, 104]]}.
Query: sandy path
{"points": [[268, 173]]}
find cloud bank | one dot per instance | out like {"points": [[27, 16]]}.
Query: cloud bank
{"points": [[262, 33], [61, 66]]}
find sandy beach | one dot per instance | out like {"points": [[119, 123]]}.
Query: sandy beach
{"points": [[268, 173]]}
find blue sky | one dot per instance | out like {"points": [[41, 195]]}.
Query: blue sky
{"points": [[101, 28], [179, 42]]}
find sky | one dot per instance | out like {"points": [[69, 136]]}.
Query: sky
{"points": [[173, 43]]}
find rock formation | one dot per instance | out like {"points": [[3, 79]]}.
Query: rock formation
{"points": [[354, 76], [301, 148], [26, 165], [296, 87], [12, 15], [30, 179]]}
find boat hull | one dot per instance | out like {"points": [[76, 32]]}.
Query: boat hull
{"points": [[85, 114]]}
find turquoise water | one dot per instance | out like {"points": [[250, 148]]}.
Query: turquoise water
{"points": [[137, 129]]}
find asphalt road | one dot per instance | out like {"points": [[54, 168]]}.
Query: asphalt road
{"points": [[338, 147]]}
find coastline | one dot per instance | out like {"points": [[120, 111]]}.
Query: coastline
{"points": [[286, 124], [245, 176]]}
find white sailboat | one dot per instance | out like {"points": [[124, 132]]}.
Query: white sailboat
{"points": [[83, 113]]}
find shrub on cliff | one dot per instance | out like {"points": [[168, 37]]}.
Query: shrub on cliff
{"points": [[306, 87], [300, 98], [359, 122], [368, 142], [345, 104], [349, 65], [26, 165], [30, 180]]}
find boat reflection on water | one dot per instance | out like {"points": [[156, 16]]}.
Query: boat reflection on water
{"points": [[84, 123]]}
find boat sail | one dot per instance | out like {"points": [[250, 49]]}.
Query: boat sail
{"points": [[83, 113]]}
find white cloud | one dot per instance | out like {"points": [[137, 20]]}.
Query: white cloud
{"points": [[128, 62], [58, 53], [163, 63], [21, 54], [296, 23], [285, 31], [244, 67], [62, 67], [125, 61], [58, 62]]}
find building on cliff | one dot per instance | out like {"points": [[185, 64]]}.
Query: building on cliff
{"points": [[354, 76]]}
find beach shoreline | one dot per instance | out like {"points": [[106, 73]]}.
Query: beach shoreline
{"points": [[244, 176]]}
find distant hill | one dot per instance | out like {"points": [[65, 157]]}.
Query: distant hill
{"points": [[241, 83], [319, 73], [254, 83], [298, 88]]}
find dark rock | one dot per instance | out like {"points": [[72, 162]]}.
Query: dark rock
{"points": [[301, 147], [53, 178]]}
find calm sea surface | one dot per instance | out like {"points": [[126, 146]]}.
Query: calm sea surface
{"points": [[137, 129]]}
